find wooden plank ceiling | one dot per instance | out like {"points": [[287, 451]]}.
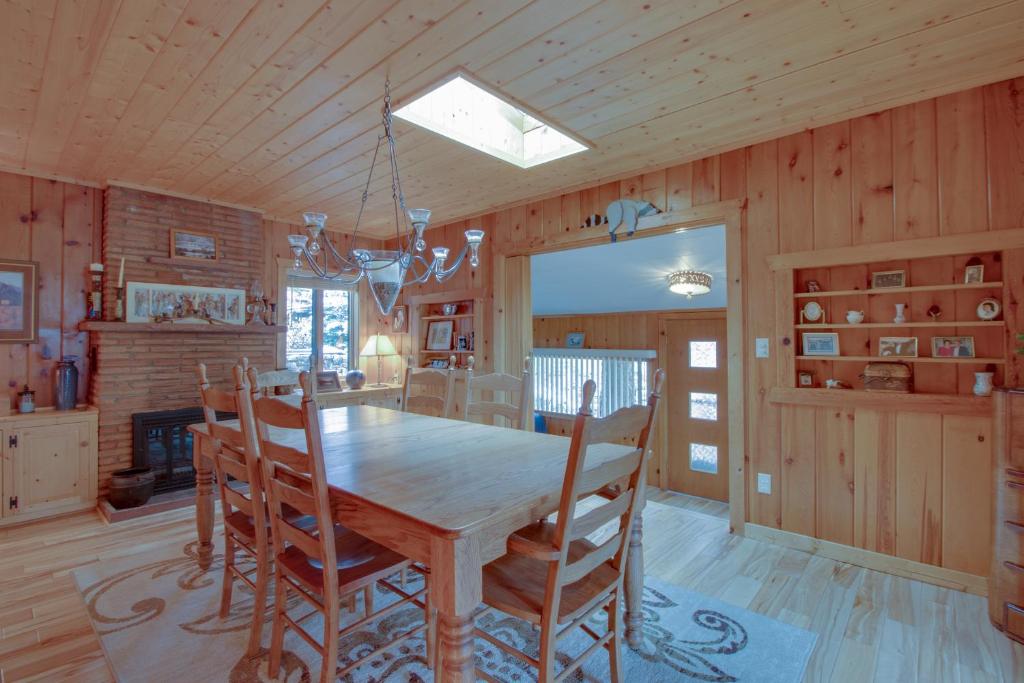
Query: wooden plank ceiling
{"points": [[275, 105]]}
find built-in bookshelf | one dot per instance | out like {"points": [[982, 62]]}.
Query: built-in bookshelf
{"points": [[445, 325]]}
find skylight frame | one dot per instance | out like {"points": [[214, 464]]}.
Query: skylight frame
{"points": [[514, 117]]}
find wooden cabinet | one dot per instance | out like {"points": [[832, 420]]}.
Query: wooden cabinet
{"points": [[49, 463], [389, 396], [1006, 579]]}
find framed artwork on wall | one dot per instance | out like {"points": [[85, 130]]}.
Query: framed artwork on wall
{"points": [[574, 340], [19, 305], [148, 302], [400, 320], [193, 245]]}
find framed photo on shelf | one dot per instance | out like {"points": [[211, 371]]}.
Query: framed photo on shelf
{"points": [[974, 274], [805, 379], [146, 302], [193, 245], [953, 347], [887, 279], [988, 309], [19, 304], [438, 363], [328, 381], [898, 347], [821, 343], [574, 340], [439, 335]]}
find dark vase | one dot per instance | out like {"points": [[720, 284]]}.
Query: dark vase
{"points": [[67, 383], [131, 488]]}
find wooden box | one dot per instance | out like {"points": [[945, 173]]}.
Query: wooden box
{"points": [[893, 377]]}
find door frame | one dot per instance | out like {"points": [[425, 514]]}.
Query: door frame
{"points": [[514, 294]]}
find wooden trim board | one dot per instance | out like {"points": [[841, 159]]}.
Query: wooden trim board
{"points": [[939, 576], [946, 404]]}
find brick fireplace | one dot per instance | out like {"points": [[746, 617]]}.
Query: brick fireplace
{"points": [[141, 368]]}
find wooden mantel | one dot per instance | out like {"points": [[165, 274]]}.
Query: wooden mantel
{"points": [[190, 328]]}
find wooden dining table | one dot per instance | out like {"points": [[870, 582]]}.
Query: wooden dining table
{"points": [[442, 492]]}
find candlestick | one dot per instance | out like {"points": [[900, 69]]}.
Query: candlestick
{"points": [[120, 275]]}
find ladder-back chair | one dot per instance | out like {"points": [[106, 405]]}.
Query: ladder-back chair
{"points": [[438, 389], [323, 562], [554, 576], [245, 518], [267, 383], [517, 410]]}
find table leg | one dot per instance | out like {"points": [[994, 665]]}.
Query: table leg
{"points": [[634, 583], [456, 579], [204, 503]]}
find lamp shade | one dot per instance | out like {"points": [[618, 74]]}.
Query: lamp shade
{"points": [[378, 345]]}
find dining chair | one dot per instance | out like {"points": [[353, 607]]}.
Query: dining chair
{"points": [[268, 382], [517, 411], [437, 390], [242, 503], [553, 575], [323, 562]]}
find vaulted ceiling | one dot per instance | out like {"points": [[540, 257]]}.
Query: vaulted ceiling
{"points": [[276, 105]]}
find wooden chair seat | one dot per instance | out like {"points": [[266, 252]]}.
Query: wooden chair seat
{"points": [[515, 583], [360, 562]]}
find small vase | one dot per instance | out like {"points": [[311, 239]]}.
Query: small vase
{"points": [[900, 317], [983, 383]]}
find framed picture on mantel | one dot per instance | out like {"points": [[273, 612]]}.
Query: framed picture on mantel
{"points": [[19, 305]]}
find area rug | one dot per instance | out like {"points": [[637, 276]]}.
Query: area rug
{"points": [[158, 620]]}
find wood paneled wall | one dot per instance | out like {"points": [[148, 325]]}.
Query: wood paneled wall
{"points": [[601, 331], [942, 166], [58, 225]]}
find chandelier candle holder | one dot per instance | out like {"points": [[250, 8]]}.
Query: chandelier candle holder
{"points": [[386, 270], [689, 282]]}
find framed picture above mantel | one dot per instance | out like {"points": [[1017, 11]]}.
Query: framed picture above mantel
{"points": [[19, 305], [194, 245]]}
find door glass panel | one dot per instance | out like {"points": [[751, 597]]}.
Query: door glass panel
{"points": [[704, 458], [703, 406], [703, 354], [337, 330], [300, 327]]}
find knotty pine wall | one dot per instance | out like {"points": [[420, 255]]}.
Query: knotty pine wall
{"points": [[57, 224], [913, 485]]}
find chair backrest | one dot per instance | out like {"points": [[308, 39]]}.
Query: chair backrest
{"points": [[294, 473], [518, 390], [231, 456], [438, 389], [583, 481], [267, 382]]}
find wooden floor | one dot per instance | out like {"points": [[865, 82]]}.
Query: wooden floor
{"points": [[870, 626]]}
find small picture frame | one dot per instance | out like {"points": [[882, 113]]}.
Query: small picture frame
{"points": [[989, 309], [400, 319], [805, 379], [194, 245], [574, 340], [462, 343], [813, 286], [897, 347], [888, 279], [821, 343], [953, 347], [974, 274], [439, 335], [438, 363], [328, 380]]}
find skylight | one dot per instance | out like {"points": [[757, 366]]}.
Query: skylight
{"points": [[467, 113]]}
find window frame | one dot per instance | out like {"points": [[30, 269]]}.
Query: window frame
{"points": [[319, 287]]}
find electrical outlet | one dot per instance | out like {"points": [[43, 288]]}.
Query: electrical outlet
{"points": [[764, 483], [761, 347]]}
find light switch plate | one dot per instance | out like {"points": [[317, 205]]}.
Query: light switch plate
{"points": [[761, 347], [764, 483]]}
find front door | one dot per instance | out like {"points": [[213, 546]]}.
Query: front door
{"points": [[698, 407]]}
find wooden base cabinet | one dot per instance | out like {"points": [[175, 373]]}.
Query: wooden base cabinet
{"points": [[49, 463], [1006, 579]]}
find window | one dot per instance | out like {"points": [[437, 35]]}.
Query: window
{"points": [[559, 374], [321, 322], [704, 458], [466, 113], [703, 354], [703, 406]]}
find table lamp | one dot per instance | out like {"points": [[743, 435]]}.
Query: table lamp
{"points": [[379, 345]]}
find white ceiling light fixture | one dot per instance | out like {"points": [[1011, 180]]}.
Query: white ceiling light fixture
{"points": [[689, 282], [465, 112]]}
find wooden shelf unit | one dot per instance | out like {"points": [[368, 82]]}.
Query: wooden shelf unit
{"points": [[467, 321], [930, 280]]}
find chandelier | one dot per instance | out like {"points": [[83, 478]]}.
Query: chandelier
{"points": [[689, 282], [387, 271]]}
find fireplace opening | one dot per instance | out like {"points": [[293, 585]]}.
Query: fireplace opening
{"points": [[162, 442]]}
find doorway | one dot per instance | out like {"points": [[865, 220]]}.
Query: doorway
{"points": [[693, 353]]}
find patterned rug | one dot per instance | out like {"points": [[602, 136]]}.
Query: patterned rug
{"points": [[158, 621]]}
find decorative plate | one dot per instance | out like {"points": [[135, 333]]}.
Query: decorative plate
{"points": [[989, 309]]}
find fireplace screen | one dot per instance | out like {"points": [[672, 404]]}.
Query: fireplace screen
{"points": [[162, 442]]}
